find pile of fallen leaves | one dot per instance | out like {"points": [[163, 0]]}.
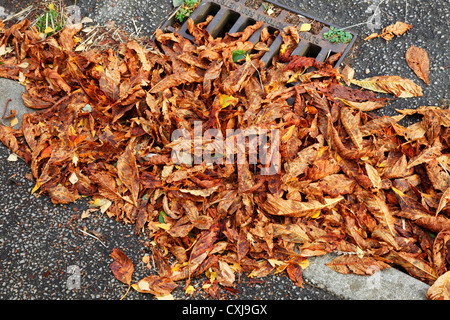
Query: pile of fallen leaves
{"points": [[350, 181]]}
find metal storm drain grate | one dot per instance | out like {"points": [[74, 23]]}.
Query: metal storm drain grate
{"points": [[231, 16]]}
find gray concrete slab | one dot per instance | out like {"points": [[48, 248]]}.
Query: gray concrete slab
{"points": [[12, 90], [387, 284]]}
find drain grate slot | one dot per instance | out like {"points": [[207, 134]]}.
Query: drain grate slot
{"points": [[209, 9], [230, 16], [312, 51], [222, 23]]}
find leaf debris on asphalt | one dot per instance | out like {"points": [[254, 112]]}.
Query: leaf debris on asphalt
{"points": [[349, 181]]}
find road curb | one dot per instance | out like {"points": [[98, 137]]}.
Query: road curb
{"points": [[387, 284]]}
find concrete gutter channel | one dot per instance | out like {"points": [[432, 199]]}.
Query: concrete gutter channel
{"points": [[389, 284]]}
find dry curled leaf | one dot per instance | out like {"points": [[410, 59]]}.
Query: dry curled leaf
{"points": [[389, 32], [340, 178], [440, 289], [156, 285], [418, 61], [401, 88]]}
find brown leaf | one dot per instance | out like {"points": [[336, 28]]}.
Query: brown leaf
{"points": [[295, 273], [379, 210], [418, 61], [440, 289], [391, 31], [225, 276], [348, 264], [351, 124], [401, 88], [238, 78], [445, 199], [365, 105], [122, 267], [60, 194], [414, 265], [128, 172], [202, 248], [66, 36], [441, 251], [156, 285], [295, 208]]}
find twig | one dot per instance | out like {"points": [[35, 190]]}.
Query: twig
{"points": [[259, 75], [6, 107], [51, 20], [374, 13], [93, 237], [136, 28], [18, 14]]}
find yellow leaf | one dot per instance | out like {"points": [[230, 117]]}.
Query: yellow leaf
{"points": [[22, 78], [275, 262], [225, 100], [280, 268], [211, 275], [48, 30], [305, 27], [190, 289], [13, 122], [98, 202], [304, 264], [283, 49], [36, 187], [165, 226], [295, 76], [315, 215], [288, 134]]}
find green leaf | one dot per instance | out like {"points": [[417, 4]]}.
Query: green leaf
{"points": [[238, 55], [161, 216]]}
